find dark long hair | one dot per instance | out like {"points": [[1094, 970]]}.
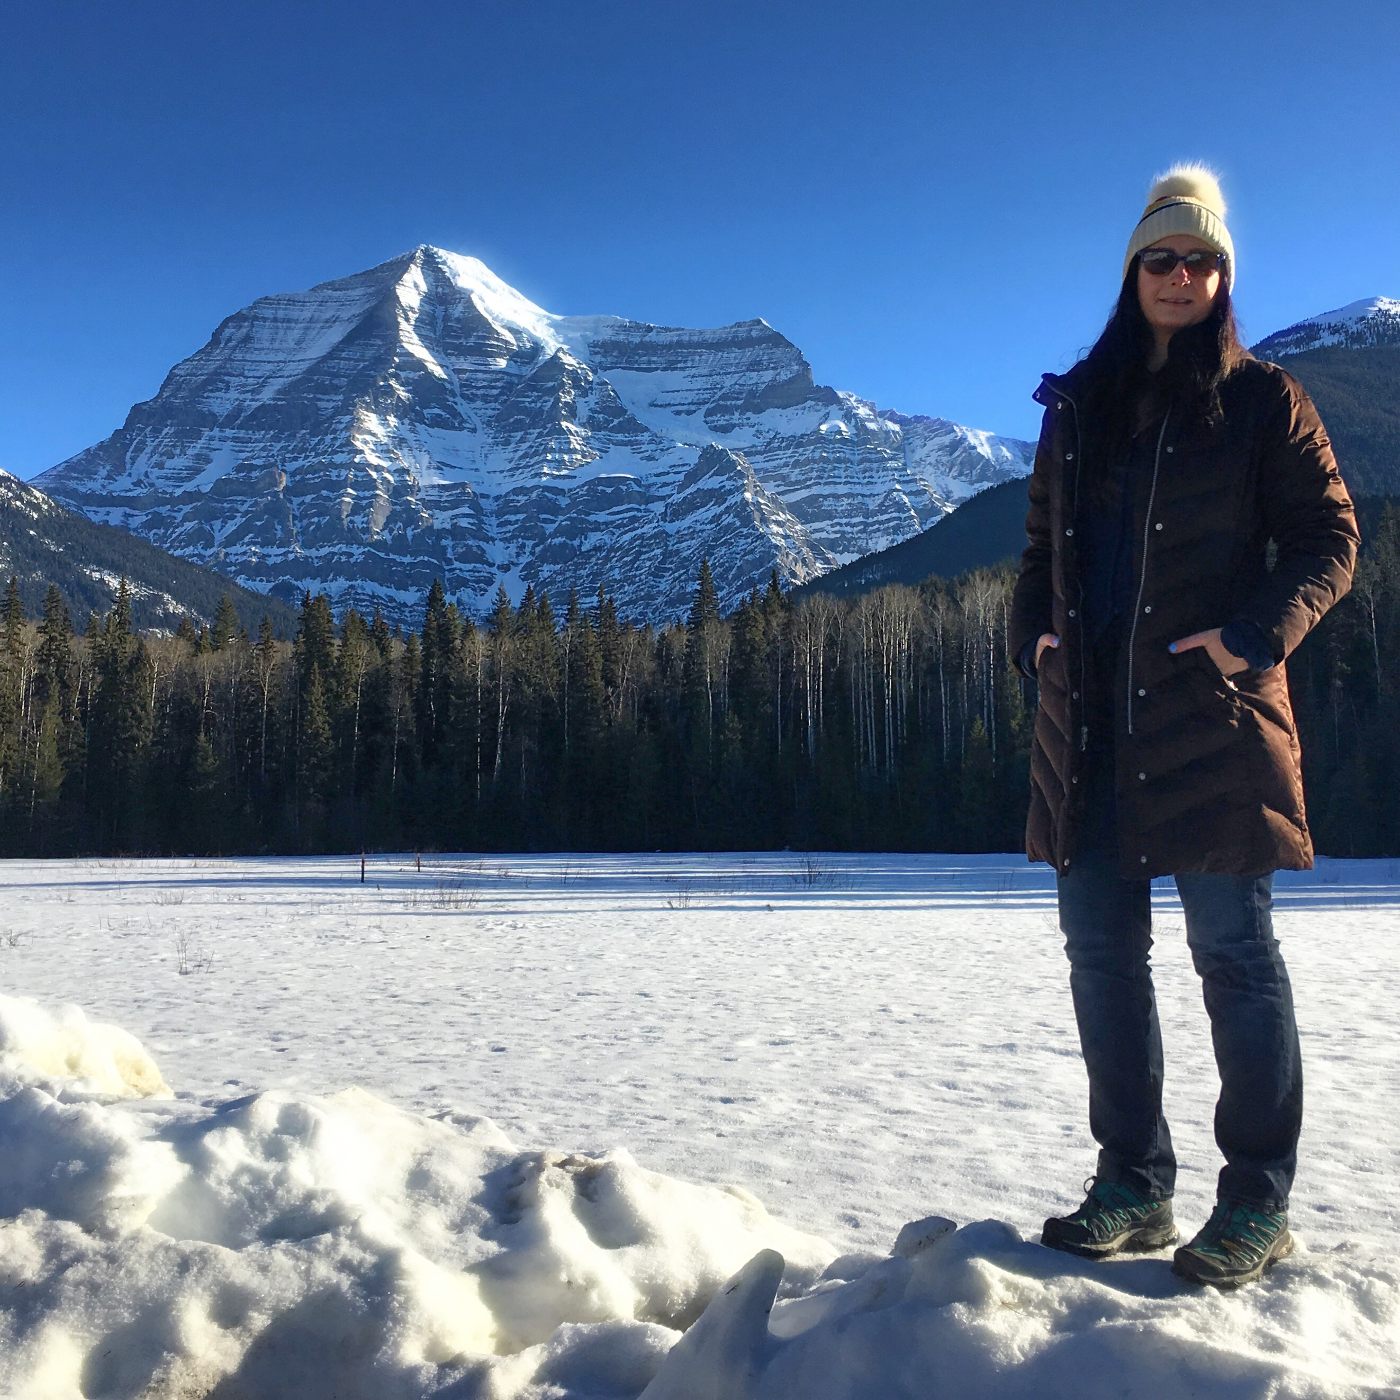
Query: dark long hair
{"points": [[1121, 393]]}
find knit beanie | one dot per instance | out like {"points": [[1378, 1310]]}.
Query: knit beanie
{"points": [[1186, 199]]}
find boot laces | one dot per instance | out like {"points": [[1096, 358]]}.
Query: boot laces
{"points": [[1238, 1234], [1110, 1206]]}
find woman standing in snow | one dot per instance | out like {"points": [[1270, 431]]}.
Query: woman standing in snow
{"points": [[1164, 740]]}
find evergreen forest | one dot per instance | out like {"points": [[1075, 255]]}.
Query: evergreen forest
{"points": [[889, 721]]}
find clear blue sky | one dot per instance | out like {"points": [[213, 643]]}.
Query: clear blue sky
{"points": [[931, 200]]}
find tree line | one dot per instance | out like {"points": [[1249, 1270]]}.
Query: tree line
{"points": [[892, 721]]}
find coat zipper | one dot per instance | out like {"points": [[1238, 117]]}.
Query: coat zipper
{"points": [[1142, 581], [1074, 518]]}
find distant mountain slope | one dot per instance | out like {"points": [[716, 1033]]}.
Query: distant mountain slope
{"points": [[41, 543], [1349, 361], [424, 420], [1364, 325], [988, 529]]}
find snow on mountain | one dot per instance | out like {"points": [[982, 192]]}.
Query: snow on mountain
{"points": [[1362, 324], [23, 500], [43, 543], [425, 420]]}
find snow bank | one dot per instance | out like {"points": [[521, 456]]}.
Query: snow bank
{"points": [[69, 1055], [980, 1312], [283, 1244], [279, 1244]]}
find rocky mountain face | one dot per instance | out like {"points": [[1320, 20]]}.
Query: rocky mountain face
{"points": [[424, 420], [41, 543]]}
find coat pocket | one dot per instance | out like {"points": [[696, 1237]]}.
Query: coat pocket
{"points": [[1207, 678]]}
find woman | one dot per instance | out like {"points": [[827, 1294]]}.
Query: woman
{"points": [[1164, 740]]}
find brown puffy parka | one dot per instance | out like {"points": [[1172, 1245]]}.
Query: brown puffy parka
{"points": [[1208, 771]]}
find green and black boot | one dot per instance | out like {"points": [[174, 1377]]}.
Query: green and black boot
{"points": [[1113, 1217], [1234, 1246]]}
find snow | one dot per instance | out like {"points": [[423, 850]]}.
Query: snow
{"points": [[273, 342], [1339, 327], [335, 1199], [410, 291], [1353, 312], [498, 301], [427, 1243]]}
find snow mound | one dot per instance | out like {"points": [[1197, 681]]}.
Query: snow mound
{"points": [[286, 1244], [980, 1312], [72, 1054], [283, 1244]]}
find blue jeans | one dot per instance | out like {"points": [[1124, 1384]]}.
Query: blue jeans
{"points": [[1107, 925]]}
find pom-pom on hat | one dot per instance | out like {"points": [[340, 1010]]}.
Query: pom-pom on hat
{"points": [[1186, 199]]}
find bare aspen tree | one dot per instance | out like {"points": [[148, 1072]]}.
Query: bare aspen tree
{"points": [[1369, 587], [813, 624], [474, 658]]}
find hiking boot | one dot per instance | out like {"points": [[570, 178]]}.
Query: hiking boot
{"points": [[1234, 1246], [1113, 1217]]}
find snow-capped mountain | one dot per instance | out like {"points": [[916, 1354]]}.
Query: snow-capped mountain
{"points": [[1360, 326], [423, 419]]}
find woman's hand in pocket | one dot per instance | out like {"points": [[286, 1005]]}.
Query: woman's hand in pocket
{"points": [[1046, 639], [1226, 662]]}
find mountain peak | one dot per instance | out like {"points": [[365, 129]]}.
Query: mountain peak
{"points": [[494, 298], [424, 420]]}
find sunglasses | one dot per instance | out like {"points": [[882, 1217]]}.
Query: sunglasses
{"points": [[1198, 262]]}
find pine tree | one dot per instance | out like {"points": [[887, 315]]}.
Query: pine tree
{"points": [[13, 619], [53, 664], [315, 761], [353, 662], [581, 677], [383, 638], [120, 726], [226, 624], [613, 650], [540, 743], [704, 608], [15, 663], [404, 750], [315, 640], [205, 793], [706, 678], [439, 642]]}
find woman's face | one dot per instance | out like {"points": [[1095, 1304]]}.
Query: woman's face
{"points": [[1178, 300]]}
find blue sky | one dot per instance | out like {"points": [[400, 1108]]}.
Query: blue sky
{"points": [[931, 200]]}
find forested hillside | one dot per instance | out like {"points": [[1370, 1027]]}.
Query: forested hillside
{"points": [[892, 721]]}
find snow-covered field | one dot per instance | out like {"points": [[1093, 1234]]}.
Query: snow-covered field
{"points": [[501, 1128]]}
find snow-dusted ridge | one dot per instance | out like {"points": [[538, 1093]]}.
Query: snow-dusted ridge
{"points": [[1370, 322], [423, 419]]}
